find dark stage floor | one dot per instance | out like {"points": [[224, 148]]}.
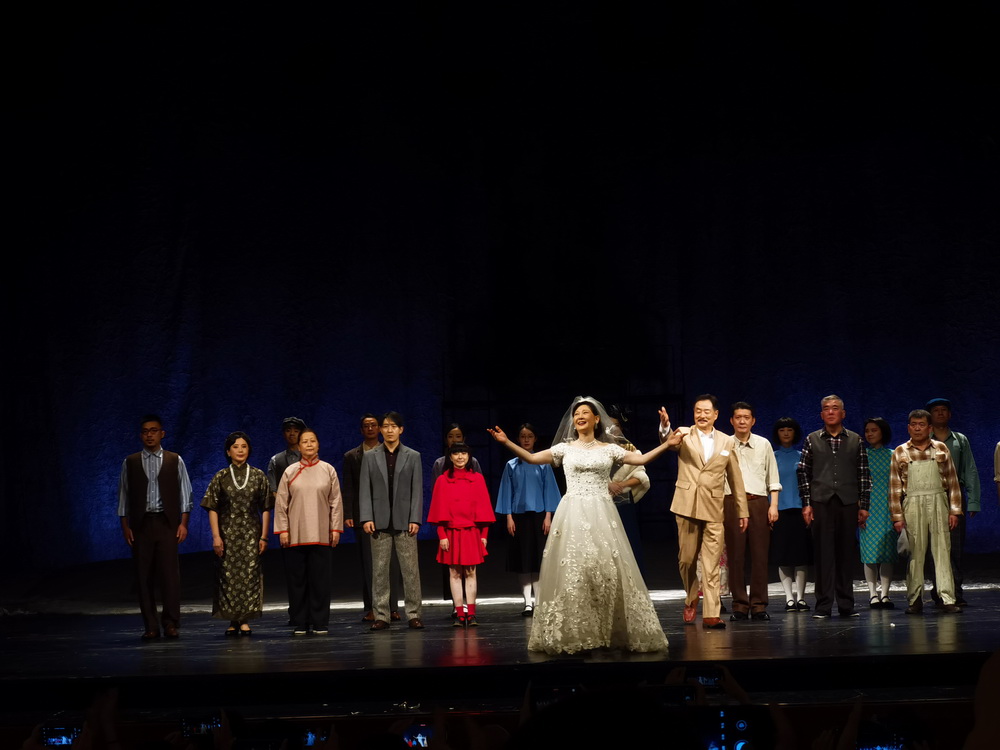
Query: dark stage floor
{"points": [[67, 635]]}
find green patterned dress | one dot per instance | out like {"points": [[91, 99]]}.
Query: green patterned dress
{"points": [[878, 538], [239, 593]]}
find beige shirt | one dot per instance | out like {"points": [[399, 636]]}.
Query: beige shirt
{"points": [[760, 470]]}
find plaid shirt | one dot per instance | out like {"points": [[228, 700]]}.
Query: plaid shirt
{"points": [[899, 470], [805, 469]]}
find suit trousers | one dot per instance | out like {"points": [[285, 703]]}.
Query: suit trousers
{"points": [[308, 568], [364, 544], [702, 539], [927, 515], [154, 549], [405, 546], [758, 538], [835, 551]]}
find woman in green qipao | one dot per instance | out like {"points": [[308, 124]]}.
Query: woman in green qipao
{"points": [[239, 502], [878, 538]]}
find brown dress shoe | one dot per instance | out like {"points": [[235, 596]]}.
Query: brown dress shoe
{"points": [[950, 609], [917, 608], [380, 625], [395, 616], [151, 635], [170, 631], [713, 623], [416, 624], [369, 616]]}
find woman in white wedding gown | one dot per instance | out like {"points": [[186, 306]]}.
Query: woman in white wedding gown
{"points": [[590, 593]]}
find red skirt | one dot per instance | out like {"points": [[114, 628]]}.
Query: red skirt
{"points": [[465, 547]]}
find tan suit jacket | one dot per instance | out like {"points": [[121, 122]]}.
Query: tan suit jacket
{"points": [[701, 485]]}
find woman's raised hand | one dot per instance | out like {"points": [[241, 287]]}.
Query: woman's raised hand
{"points": [[497, 434]]}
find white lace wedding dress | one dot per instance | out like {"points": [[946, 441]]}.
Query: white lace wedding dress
{"points": [[590, 593]]}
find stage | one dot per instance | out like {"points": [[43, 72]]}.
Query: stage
{"points": [[68, 636]]}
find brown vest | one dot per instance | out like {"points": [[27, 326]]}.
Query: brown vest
{"points": [[168, 481]]}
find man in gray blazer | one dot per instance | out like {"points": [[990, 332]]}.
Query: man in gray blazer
{"points": [[391, 502]]}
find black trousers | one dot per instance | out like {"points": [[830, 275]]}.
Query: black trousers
{"points": [[835, 550], [154, 549], [309, 573]]}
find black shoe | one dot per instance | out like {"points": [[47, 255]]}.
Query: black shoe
{"points": [[917, 608], [875, 603], [850, 613], [738, 616], [821, 616], [791, 606], [802, 606], [761, 616]]}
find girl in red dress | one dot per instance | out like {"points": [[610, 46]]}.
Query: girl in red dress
{"points": [[461, 507]]}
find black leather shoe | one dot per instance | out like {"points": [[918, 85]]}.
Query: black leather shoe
{"points": [[761, 616], [738, 616]]}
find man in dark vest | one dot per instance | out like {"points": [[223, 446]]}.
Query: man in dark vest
{"points": [[154, 504], [834, 484], [290, 429]]}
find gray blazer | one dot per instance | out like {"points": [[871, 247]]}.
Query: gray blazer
{"points": [[408, 489]]}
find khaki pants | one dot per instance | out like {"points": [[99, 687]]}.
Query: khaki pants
{"points": [[928, 515], [700, 540]]}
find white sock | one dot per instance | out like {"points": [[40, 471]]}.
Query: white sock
{"points": [[870, 575], [785, 576], [800, 581], [885, 571], [526, 588]]}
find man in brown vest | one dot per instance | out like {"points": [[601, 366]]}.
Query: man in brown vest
{"points": [[154, 504]]}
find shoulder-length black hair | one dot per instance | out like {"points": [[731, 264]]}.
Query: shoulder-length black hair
{"points": [[882, 425], [786, 422]]}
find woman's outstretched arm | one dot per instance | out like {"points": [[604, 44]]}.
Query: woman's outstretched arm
{"points": [[542, 457]]}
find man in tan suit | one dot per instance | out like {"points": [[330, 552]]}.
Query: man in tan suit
{"points": [[706, 459]]}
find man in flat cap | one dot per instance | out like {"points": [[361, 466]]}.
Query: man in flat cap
{"points": [[968, 479], [290, 428]]}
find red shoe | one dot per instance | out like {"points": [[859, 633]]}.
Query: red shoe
{"points": [[689, 614], [713, 623]]}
